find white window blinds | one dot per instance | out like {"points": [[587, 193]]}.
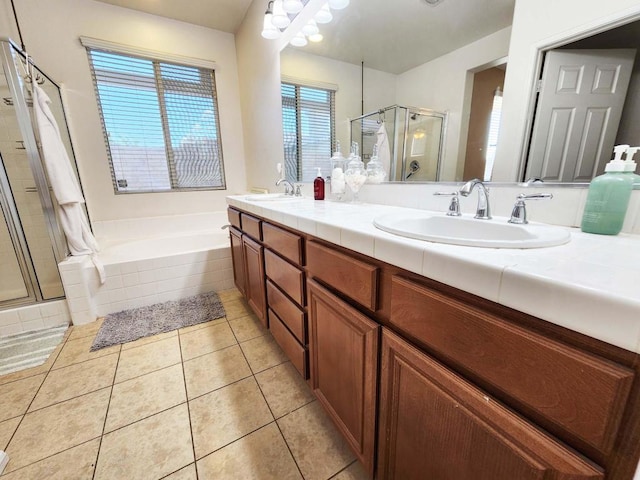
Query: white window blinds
{"points": [[160, 122], [308, 117]]}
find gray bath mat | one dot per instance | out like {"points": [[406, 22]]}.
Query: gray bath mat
{"points": [[130, 325], [29, 349]]}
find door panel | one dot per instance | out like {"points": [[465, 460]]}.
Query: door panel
{"points": [[578, 113]]}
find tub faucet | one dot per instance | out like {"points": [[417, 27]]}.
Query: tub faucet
{"points": [[288, 188], [483, 212]]}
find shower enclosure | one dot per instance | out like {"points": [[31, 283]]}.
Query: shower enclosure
{"points": [[415, 139], [31, 242]]}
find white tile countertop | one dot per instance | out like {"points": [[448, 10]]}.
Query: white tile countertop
{"points": [[589, 285]]}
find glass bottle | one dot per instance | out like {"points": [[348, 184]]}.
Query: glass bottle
{"points": [[338, 166], [375, 170], [356, 174]]}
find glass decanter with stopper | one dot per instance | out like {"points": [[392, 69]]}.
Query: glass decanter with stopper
{"points": [[375, 170], [356, 174]]}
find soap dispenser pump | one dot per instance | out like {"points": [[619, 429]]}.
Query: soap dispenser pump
{"points": [[608, 197], [630, 166]]}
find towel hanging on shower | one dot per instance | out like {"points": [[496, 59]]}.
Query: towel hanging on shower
{"points": [[384, 155], [63, 181]]}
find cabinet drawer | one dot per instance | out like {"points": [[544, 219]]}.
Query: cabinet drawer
{"points": [[252, 226], [576, 395], [290, 314], [234, 218], [354, 278], [289, 278], [287, 244], [292, 349]]}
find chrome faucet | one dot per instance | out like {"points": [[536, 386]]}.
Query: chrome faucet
{"points": [[483, 212], [288, 187]]}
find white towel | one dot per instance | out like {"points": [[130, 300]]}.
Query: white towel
{"points": [[63, 181], [384, 155]]}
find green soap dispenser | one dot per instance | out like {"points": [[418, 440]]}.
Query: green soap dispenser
{"points": [[608, 197]]}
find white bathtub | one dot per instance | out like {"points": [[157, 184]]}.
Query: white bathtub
{"points": [[150, 270], [149, 248]]}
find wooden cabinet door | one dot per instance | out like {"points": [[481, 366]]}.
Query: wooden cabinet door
{"points": [[254, 271], [433, 424], [237, 257], [343, 350]]}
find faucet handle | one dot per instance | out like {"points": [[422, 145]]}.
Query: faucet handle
{"points": [[454, 206], [519, 212], [298, 190]]}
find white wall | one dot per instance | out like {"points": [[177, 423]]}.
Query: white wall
{"points": [[51, 30], [445, 84], [537, 23], [259, 73], [379, 87]]}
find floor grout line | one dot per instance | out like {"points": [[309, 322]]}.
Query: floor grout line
{"points": [[186, 396]]}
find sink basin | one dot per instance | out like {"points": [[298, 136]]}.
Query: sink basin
{"points": [[271, 197], [468, 231]]}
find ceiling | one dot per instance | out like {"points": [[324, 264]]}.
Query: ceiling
{"points": [[224, 15], [389, 35]]}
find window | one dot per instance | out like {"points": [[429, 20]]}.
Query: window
{"points": [[308, 118], [160, 122], [494, 132]]}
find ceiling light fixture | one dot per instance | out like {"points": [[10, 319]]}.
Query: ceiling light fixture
{"points": [[432, 3], [311, 28], [316, 37], [338, 4], [292, 6], [280, 18], [269, 30], [299, 40], [324, 15]]}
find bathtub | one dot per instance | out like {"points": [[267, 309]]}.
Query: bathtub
{"points": [[144, 271]]}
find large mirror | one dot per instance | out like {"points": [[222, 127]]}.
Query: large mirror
{"points": [[588, 101], [451, 57]]}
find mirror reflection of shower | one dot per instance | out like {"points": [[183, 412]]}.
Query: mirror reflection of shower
{"points": [[410, 141]]}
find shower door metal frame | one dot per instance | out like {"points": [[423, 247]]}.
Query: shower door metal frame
{"points": [[14, 82], [10, 216], [8, 53]]}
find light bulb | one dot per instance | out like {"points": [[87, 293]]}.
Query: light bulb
{"points": [[299, 40], [292, 6], [324, 15], [280, 18], [338, 4], [269, 30], [315, 38], [311, 28]]}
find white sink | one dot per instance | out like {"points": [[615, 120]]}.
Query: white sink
{"points": [[466, 230], [271, 197]]}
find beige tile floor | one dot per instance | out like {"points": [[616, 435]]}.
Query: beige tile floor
{"points": [[217, 400]]}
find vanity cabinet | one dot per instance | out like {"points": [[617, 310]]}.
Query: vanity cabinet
{"points": [[255, 293], [343, 351], [436, 425], [237, 258], [425, 381]]}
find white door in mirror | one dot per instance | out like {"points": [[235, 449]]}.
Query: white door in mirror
{"points": [[468, 231]]}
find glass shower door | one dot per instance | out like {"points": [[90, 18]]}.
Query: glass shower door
{"points": [[12, 284], [28, 211]]}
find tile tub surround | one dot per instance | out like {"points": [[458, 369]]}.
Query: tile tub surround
{"points": [[588, 285], [145, 275], [161, 422]]}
